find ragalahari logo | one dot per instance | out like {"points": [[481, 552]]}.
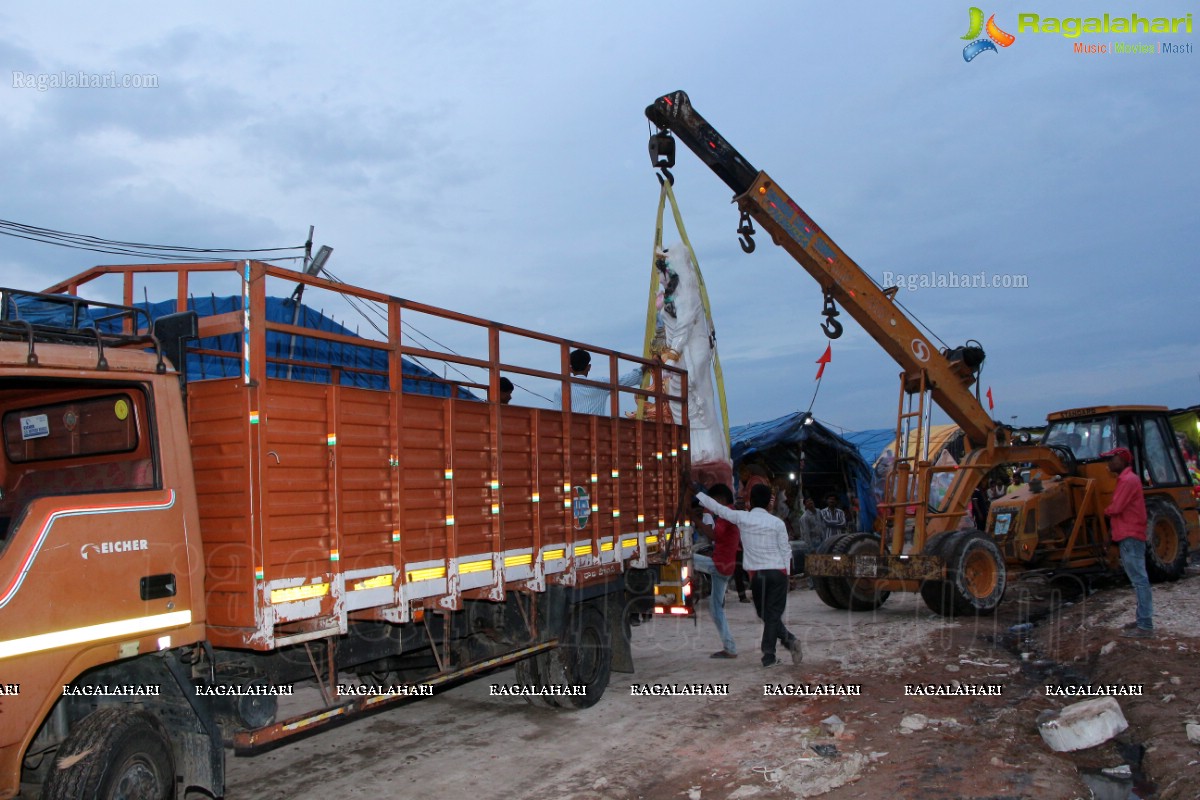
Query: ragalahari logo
{"points": [[995, 36]]}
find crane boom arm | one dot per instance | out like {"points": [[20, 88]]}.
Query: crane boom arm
{"points": [[949, 375]]}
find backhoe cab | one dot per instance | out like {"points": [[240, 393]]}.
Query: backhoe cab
{"points": [[1043, 526]]}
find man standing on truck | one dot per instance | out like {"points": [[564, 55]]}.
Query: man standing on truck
{"points": [[720, 567], [593, 399], [766, 556], [1127, 521]]}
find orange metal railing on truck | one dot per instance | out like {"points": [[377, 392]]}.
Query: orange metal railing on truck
{"points": [[321, 503]]}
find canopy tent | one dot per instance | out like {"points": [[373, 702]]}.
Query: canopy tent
{"points": [[871, 443], [354, 365], [941, 437], [824, 462]]}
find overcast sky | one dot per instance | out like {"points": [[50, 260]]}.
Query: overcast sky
{"points": [[491, 158]]}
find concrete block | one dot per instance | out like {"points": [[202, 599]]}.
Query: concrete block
{"points": [[1082, 725]]}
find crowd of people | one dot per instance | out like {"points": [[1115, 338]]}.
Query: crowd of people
{"points": [[757, 539]]}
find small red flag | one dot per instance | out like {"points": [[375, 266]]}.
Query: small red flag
{"points": [[823, 360], [991, 405]]}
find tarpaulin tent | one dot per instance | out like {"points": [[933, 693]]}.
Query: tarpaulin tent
{"points": [[941, 437], [825, 461], [872, 443], [314, 360]]}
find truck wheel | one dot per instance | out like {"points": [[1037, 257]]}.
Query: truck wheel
{"points": [[114, 754], [1166, 542], [975, 573], [583, 658], [533, 672], [833, 592], [936, 594], [861, 594], [640, 581]]}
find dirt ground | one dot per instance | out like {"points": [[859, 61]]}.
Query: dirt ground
{"points": [[466, 744]]}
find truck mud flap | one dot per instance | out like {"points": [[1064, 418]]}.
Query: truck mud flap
{"points": [[621, 632]]}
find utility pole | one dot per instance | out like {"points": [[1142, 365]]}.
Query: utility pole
{"points": [[312, 266]]}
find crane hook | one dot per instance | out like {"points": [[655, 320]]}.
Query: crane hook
{"points": [[667, 172], [746, 231], [832, 328]]}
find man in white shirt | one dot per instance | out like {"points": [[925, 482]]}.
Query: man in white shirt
{"points": [[766, 556]]}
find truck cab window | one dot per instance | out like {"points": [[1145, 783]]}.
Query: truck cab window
{"points": [[72, 441]]}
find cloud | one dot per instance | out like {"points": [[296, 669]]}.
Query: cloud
{"points": [[492, 160]]}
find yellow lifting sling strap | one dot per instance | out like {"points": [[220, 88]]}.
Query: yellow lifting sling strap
{"points": [[651, 308]]}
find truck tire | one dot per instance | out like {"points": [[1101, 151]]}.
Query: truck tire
{"points": [[534, 672], [976, 574], [114, 754], [582, 658], [640, 581], [1166, 541], [861, 594], [833, 592]]}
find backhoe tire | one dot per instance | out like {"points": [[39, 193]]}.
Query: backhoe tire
{"points": [[114, 753], [936, 594], [1166, 541], [975, 573], [861, 594], [833, 592]]}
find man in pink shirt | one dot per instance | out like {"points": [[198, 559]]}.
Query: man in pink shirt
{"points": [[1127, 523]]}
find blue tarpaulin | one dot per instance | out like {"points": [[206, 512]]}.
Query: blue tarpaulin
{"points": [[357, 365], [871, 443], [831, 463]]}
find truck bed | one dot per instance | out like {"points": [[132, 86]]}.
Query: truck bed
{"points": [[330, 495]]}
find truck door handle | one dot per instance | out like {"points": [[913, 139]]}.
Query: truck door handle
{"points": [[156, 587]]}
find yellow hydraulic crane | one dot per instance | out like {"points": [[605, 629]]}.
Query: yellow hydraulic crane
{"points": [[956, 571]]}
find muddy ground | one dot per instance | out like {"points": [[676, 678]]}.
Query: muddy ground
{"points": [[467, 744]]}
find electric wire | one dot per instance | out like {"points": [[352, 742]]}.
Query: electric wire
{"points": [[96, 244], [374, 307]]}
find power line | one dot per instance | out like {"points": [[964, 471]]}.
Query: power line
{"points": [[374, 306], [96, 244]]}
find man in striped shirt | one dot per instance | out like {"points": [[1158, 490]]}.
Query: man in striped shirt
{"points": [[766, 556]]}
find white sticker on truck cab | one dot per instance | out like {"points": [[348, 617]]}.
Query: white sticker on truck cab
{"points": [[35, 427]]}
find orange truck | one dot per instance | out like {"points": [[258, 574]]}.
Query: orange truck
{"points": [[208, 502]]}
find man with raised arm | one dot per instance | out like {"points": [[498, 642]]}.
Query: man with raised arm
{"points": [[766, 556]]}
